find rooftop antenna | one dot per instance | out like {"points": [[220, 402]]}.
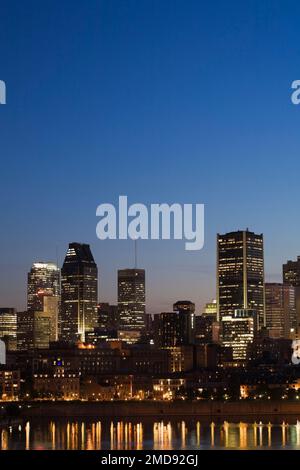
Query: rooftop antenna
{"points": [[135, 253]]}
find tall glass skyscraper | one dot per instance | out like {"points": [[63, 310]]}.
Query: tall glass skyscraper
{"points": [[131, 299], [291, 277], [43, 300], [240, 274], [79, 293], [281, 318], [43, 280]]}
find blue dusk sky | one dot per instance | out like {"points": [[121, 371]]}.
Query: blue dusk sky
{"points": [[183, 101]]}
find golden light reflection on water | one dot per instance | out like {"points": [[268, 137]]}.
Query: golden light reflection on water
{"points": [[269, 435], [162, 435], [212, 434], [27, 435], [150, 434], [198, 431]]}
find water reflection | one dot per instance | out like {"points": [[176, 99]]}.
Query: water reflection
{"points": [[124, 434]]}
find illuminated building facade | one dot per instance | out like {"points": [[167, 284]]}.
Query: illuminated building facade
{"points": [[291, 277], [79, 293], [291, 272], [211, 309], [281, 319], [61, 385], [184, 305], [8, 327], [240, 274], [9, 384], [174, 329], [41, 330], [238, 331], [131, 299], [25, 330], [43, 279], [107, 316], [204, 328]]}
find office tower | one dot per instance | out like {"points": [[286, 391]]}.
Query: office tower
{"points": [[238, 332], [281, 319], [187, 309], [291, 277], [174, 329], [107, 324], [204, 328], [291, 272], [8, 328], [79, 292], [43, 279], [211, 309], [131, 299], [51, 309], [41, 330], [240, 274], [25, 330], [107, 316], [184, 305]]}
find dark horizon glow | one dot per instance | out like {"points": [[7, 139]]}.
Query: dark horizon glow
{"points": [[161, 101]]}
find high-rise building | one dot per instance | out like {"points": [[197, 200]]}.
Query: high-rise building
{"points": [[281, 319], [8, 327], [51, 308], [174, 329], [204, 328], [184, 305], [107, 316], [79, 293], [187, 310], [131, 299], [41, 330], [25, 330], [43, 279], [291, 277], [240, 274], [291, 272], [238, 332], [211, 309]]}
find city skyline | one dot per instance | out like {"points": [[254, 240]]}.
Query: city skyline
{"points": [[37, 265], [185, 104]]}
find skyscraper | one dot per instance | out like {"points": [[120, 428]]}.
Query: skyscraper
{"points": [[79, 293], [174, 329], [25, 330], [211, 309], [291, 272], [240, 273], [107, 316], [43, 279], [281, 319], [184, 305], [131, 299], [41, 330], [291, 277], [8, 327], [238, 331]]}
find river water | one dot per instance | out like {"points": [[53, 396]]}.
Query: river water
{"points": [[94, 434]]}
